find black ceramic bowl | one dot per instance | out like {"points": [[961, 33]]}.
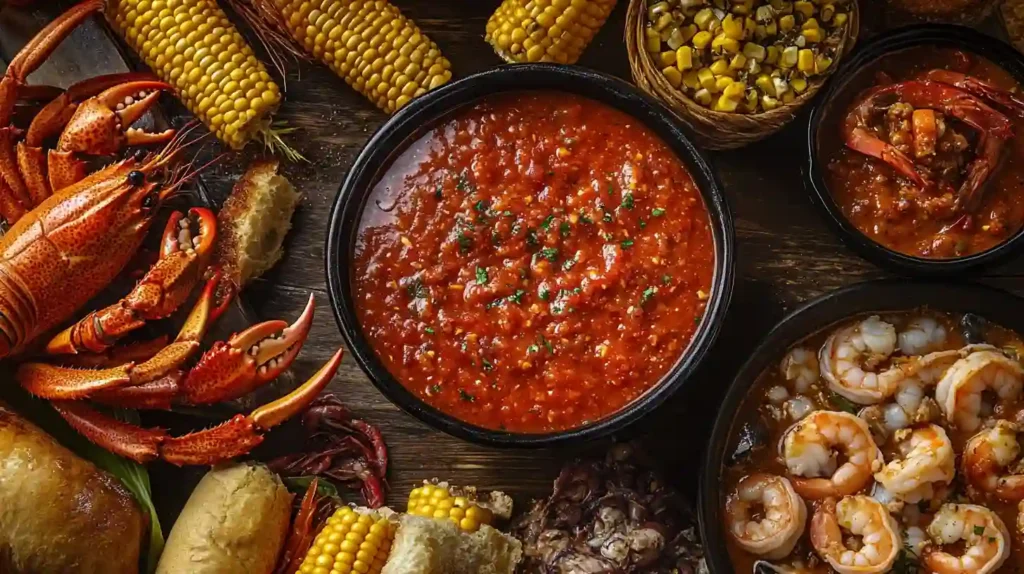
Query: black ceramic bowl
{"points": [[998, 306], [839, 94], [422, 115]]}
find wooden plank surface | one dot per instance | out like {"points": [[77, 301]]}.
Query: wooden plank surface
{"points": [[786, 255]]}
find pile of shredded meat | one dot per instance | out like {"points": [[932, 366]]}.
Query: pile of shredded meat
{"points": [[611, 516]]}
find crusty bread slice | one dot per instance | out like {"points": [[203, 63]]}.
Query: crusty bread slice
{"points": [[428, 546], [253, 222]]}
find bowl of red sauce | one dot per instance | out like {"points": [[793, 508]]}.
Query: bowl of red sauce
{"points": [[530, 256], [916, 150]]}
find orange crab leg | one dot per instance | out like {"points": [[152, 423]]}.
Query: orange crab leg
{"points": [[248, 360], [155, 395], [232, 438], [157, 295]]}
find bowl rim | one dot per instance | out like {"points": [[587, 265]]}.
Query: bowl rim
{"points": [[886, 44], [999, 306], [423, 113]]}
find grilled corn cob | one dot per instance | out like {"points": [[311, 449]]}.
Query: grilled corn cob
{"points": [[369, 43], [350, 542], [546, 30], [437, 501], [192, 45], [768, 45]]}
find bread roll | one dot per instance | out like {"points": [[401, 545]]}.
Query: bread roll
{"points": [[428, 546], [235, 522], [58, 512]]}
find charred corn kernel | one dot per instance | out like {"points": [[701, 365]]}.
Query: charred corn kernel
{"points": [[749, 25], [766, 85], [789, 56], [798, 85], [821, 63], [703, 97], [706, 78], [721, 83], [652, 35], [774, 53], [769, 103], [764, 14], [559, 30], [734, 90], [738, 62], [192, 45], [719, 67], [684, 58], [754, 51], [812, 35], [706, 20], [732, 27], [673, 75], [786, 23], [804, 7], [702, 39], [435, 501], [350, 542], [726, 104], [691, 81], [804, 61], [839, 19], [667, 58]]}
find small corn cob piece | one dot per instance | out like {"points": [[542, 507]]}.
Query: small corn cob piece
{"points": [[549, 30], [192, 45], [351, 542], [438, 501]]}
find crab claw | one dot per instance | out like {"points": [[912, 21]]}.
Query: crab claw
{"points": [[248, 360], [130, 441], [243, 433]]}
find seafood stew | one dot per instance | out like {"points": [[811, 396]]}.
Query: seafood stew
{"points": [[868, 421], [926, 162]]}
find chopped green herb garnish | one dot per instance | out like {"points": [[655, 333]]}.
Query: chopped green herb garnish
{"points": [[547, 222], [564, 228], [481, 276], [466, 396], [435, 389], [549, 173], [545, 294], [531, 238], [417, 290], [906, 562], [495, 303], [437, 192], [647, 294], [465, 243], [626, 243], [506, 213], [487, 365], [842, 403], [532, 349], [549, 253], [517, 298], [627, 201], [585, 218], [666, 279], [642, 223], [495, 237], [462, 183], [607, 217], [657, 212], [568, 263], [607, 236], [481, 205], [979, 530], [429, 330], [547, 345]]}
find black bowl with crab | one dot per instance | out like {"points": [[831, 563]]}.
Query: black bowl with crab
{"points": [[736, 436], [892, 222]]}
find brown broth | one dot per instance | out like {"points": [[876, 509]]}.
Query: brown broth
{"points": [[767, 458]]}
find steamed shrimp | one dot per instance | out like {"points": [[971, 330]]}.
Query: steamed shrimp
{"points": [[927, 459], [800, 367], [860, 516], [809, 450], [959, 392], [850, 355], [985, 540], [922, 335], [988, 458], [783, 515]]}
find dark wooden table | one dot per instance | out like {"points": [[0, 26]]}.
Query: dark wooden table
{"points": [[786, 256]]}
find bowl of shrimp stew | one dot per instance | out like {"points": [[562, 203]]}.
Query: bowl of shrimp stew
{"points": [[915, 150], [874, 430]]}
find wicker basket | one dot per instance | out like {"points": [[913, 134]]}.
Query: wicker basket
{"points": [[718, 130], [965, 12]]}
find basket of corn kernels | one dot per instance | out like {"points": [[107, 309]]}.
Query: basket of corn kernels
{"points": [[737, 71]]}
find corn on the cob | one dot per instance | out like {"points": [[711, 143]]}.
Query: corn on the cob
{"points": [[350, 542], [437, 501], [192, 45], [748, 43], [548, 30], [369, 43]]}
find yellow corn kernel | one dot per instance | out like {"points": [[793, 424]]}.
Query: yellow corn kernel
{"points": [[774, 53], [738, 62], [702, 39], [667, 58], [821, 63], [192, 45], [684, 58], [749, 103], [554, 30], [769, 103], [804, 7], [749, 25], [765, 84], [719, 67], [726, 104], [810, 24], [653, 40], [706, 78], [754, 51], [721, 83], [436, 501], [805, 60], [725, 44], [798, 85], [350, 542], [788, 97], [734, 89], [788, 58], [732, 27], [663, 21], [760, 33], [703, 97], [691, 80], [786, 23], [839, 19], [687, 32], [673, 75], [706, 20], [812, 35], [742, 7]]}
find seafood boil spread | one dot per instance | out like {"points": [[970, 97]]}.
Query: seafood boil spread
{"points": [[535, 256]]}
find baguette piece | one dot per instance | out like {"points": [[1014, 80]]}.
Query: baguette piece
{"points": [[428, 546], [59, 512], [253, 222], [235, 522]]}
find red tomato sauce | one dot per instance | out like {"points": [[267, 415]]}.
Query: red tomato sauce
{"points": [[534, 263]]}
